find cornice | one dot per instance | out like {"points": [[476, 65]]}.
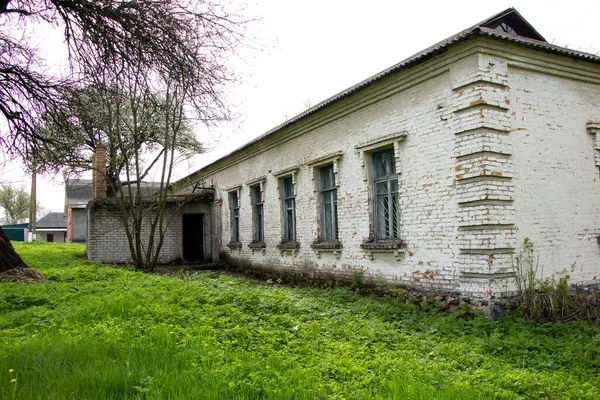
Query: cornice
{"points": [[516, 56], [541, 61], [372, 94]]}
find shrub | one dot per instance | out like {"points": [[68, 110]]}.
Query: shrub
{"points": [[551, 298]]}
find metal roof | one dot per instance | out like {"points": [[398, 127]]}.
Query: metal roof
{"points": [[480, 29], [52, 220], [78, 192]]}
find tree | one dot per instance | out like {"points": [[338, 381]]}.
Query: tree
{"points": [[143, 215], [145, 134], [161, 43], [110, 115], [181, 42], [16, 203]]}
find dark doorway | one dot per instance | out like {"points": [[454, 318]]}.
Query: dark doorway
{"points": [[50, 237], [193, 235]]}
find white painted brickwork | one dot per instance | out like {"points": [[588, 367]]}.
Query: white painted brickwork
{"points": [[107, 240], [491, 146], [557, 193]]}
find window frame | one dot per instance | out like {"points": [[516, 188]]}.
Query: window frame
{"points": [[258, 215], [333, 159], [328, 196], [387, 222], [234, 209], [288, 197], [394, 141]]}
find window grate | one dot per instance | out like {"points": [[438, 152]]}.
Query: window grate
{"points": [[289, 209], [386, 208], [235, 216], [259, 232], [329, 220]]}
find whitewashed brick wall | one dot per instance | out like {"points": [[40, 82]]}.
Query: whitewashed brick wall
{"points": [[557, 191], [495, 150], [107, 241]]}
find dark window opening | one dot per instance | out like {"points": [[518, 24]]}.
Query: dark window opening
{"points": [[504, 27]]}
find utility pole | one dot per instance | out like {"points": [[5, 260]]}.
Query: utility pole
{"points": [[32, 209]]}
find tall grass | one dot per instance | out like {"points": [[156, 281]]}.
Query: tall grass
{"points": [[98, 332]]}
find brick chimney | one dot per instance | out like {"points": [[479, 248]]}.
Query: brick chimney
{"points": [[99, 173]]}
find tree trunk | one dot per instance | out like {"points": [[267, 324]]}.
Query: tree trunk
{"points": [[9, 259], [12, 266]]}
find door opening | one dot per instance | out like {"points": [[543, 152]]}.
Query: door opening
{"points": [[193, 237]]}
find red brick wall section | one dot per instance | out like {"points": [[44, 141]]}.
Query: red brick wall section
{"points": [[99, 173], [69, 237]]}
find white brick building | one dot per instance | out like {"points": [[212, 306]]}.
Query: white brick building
{"points": [[429, 174], [187, 231], [492, 137], [188, 234]]}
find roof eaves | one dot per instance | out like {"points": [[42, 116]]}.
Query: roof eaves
{"points": [[537, 44], [416, 58], [412, 60]]}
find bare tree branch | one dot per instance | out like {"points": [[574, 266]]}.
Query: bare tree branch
{"points": [[128, 52], [177, 41]]}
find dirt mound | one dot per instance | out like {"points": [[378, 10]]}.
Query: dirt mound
{"points": [[22, 275]]}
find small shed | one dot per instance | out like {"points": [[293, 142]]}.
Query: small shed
{"points": [[16, 232], [52, 227]]}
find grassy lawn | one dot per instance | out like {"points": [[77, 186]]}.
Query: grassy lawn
{"points": [[96, 332]]}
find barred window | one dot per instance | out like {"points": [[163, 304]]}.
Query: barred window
{"points": [[386, 207], [235, 216], [329, 224], [257, 201], [289, 210]]}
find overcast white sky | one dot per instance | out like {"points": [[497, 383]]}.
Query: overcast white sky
{"points": [[312, 49]]}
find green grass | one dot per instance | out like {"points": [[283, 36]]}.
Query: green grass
{"points": [[96, 332]]}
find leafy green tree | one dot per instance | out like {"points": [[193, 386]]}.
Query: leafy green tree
{"points": [[16, 204]]}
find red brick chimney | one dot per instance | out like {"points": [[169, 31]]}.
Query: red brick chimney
{"points": [[99, 173]]}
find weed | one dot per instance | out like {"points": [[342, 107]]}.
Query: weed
{"points": [[359, 280], [550, 298], [98, 332]]}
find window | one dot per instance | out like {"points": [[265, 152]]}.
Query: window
{"points": [[329, 226], [289, 210], [503, 27], [386, 208], [234, 205], [257, 202]]}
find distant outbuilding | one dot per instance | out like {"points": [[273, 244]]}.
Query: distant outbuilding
{"points": [[16, 232], [78, 192], [52, 227]]}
